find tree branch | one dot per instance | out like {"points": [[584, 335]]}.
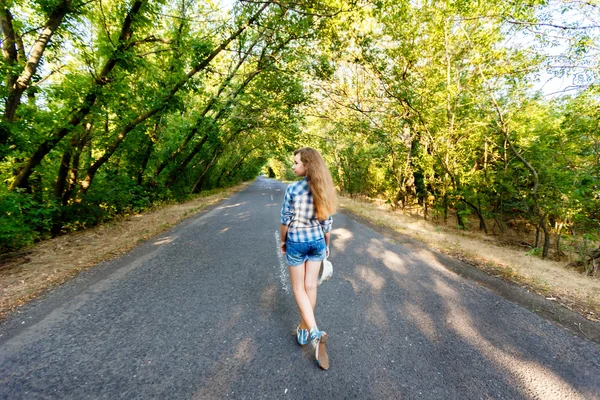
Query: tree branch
{"points": [[88, 103]]}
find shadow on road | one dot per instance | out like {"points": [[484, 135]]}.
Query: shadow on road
{"points": [[422, 326]]}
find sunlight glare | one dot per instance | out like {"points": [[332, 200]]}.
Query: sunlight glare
{"points": [[166, 240], [340, 236]]}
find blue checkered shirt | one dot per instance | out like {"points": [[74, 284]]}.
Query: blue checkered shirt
{"points": [[298, 213]]}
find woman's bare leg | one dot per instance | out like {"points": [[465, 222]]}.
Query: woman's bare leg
{"points": [[311, 279], [297, 276]]}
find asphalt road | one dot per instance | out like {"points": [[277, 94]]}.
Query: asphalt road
{"points": [[205, 311]]}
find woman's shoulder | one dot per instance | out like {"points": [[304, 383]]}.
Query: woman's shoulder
{"points": [[297, 186]]}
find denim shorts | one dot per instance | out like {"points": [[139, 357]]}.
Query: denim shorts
{"points": [[296, 253]]}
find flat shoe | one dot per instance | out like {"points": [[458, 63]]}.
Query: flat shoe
{"points": [[321, 351]]}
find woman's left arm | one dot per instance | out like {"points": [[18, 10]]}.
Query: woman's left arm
{"points": [[326, 226]]}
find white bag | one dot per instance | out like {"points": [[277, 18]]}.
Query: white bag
{"points": [[326, 271]]}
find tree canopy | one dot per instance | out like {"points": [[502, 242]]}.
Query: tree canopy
{"points": [[109, 107]]}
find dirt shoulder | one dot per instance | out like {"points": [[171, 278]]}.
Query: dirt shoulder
{"points": [[50, 263], [545, 287]]}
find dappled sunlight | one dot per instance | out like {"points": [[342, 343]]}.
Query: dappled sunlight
{"points": [[353, 283], [434, 306], [369, 276], [227, 371], [245, 351], [166, 240], [393, 262], [444, 290], [539, 381], [432, 260], [243, 215], [375, 248], [230, 320], [486, 252], [376, 315], [422, 320], [340, 237], [231, 206], [268, 298]]}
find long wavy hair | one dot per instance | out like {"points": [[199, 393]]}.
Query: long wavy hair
{"points": [[319, 181]]}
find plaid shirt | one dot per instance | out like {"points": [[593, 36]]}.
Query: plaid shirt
{"points": [[298, 213]]}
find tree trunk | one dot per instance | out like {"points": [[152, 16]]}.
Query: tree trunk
{"points": [[147, 154], [534, 174], [93, 169], [499, 224], [63, 171], [10, 53], [236, 165], [200, 182], [558, 238], [459, 219], [221, 113], [216, 154], [16, 90], [73, 174], [218, 181], [174, 175], [64, 188], [445, 207], [477, 210], [482, 225], [546, 249]]}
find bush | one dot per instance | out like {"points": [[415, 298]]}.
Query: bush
{"points": [[23, 220]]}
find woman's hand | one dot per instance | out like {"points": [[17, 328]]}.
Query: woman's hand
{"points": [[327, 252], [282, 247]]}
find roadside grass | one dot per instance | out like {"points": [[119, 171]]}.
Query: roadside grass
{"points": [[52, 262], [490, 254]]}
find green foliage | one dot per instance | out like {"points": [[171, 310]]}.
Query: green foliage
{"points": [[23, 220]]}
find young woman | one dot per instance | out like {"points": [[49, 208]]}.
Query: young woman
{"points": [[305, 225]]}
